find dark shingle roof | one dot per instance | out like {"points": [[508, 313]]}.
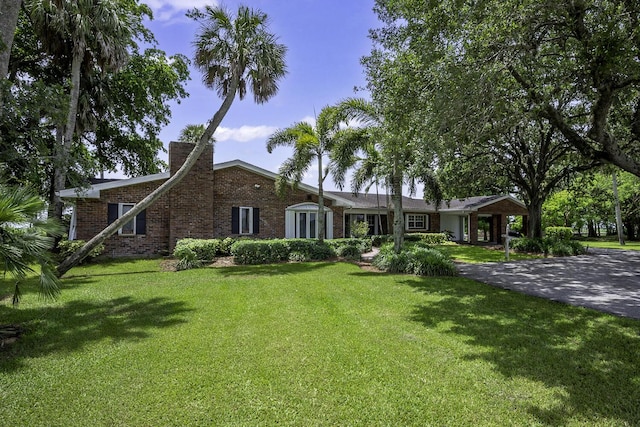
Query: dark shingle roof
{"points": [[370, 201]]}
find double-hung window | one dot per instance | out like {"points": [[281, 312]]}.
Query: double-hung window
{"points": [[137, 226], [416, 222], [245, 220]]}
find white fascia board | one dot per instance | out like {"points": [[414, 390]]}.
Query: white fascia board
{"points": [[338, 201], [93, 192]]}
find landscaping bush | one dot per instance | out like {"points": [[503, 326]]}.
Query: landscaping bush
{"points": [[259, 251], [188, 258], [308, 250], [360, 229], [530, 245], [349, 252], [363, 244], [204, 249], [559, 233], [381, 239], [68, 247], [428, 238], [391, 262], [417, 260], [430, 262], [566, 248], [225, 246]]}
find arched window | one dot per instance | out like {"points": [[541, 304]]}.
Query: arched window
{"points": [[301, 221]]}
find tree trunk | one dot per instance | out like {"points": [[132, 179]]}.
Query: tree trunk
{"points": [[591, 228], [63, 151], [534, 210], [79, 255], [616, 200], [321, 225], [9, 10], [398, 215]]}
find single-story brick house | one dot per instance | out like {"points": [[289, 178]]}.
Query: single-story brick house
{"points": [[236, 198]]}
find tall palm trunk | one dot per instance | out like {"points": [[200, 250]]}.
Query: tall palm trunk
{"points": [[398, 215], [9, 10], [321, 223], [63, 150], [78, 256]]}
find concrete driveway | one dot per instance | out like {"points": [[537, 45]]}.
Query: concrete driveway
{"points": [[605, 280]]}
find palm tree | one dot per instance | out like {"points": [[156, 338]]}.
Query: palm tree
{"points": [[94, 34], [309, 143], [25, 240], [192, 134], [234, 54], [378, 152]]}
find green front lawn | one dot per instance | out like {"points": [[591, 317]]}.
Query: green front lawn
{"points": [[310, 344], [476, 254], [610, 244]]}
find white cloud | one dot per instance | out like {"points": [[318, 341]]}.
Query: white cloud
{"points": [[309, 119], [243, 133], [165, 10]]}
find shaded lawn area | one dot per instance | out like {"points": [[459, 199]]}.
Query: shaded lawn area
{"points": [[608, 244], [310, 344]]}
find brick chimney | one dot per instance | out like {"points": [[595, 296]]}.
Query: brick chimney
{"points": [[191, 200]]}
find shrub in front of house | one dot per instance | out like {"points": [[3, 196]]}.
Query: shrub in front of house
{"points": [[566, 248], [204, 249], [530, 245], [381, 239], [246, 252], [187, 258], [430, 262], [225, 246], [363, 244], [556, 246], [349, 252], [309, 250], [418, 260], [559, 233], [68, 247], [428, 238]]}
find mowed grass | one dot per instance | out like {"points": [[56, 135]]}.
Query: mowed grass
{"points": [[477, 254], [310, 344], [609, 244]]}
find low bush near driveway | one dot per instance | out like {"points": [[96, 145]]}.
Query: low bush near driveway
{"points": [[418, 259]]}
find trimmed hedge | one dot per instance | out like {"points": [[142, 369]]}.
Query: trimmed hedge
{"points": [[203, 249], [68, 247], [418, 260], [271, 251], [428, 238], [192, 252]]}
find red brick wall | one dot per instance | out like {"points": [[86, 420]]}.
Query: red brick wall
{"points": [[199, 207], [191, 202], [236, 186], [91, 218]]}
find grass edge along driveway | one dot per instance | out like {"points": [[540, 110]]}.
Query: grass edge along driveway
{"points": [[310, 343]]}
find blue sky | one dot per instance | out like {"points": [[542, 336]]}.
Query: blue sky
{"points": [[325, 39]]}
